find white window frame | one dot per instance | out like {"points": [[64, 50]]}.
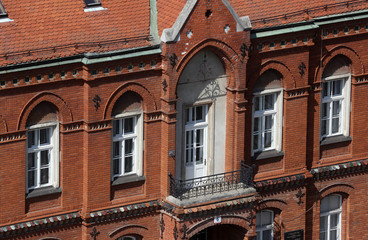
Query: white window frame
{"points": [[53, 157], [261, 228], [344, 116], [194, 126], [277, 112], [137, 137], [328, 214]]}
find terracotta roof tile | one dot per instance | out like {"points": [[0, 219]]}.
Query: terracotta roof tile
{"points": [[269, 13], [39, 26]]}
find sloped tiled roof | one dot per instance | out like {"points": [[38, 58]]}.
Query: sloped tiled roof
{"points": [[167, 13], [267, 13], [47, 29]]}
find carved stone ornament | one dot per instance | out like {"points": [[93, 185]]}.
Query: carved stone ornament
{"points": [[164, 85], [175, 232], [162, 226], [96, 101], [244, 50], [302, 68], [94, 233], [173, 59], [300, 195], [251, 218], [184, 230]]}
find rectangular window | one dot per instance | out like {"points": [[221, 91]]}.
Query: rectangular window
{"points": [[334, 107], [264, 225], [41, 157], [330, 218], [267, 113], [124, 148], [195, 154], [92, 2]]}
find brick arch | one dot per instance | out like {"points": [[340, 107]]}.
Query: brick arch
{"points": [[129, 230], [50, 238], [287, 81], [3, 125], [343, 188], [224, 52], [149, 103], [229, 220], [271, 203], [356, 66], [64, 112]]}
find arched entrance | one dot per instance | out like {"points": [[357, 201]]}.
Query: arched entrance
{"points": [[221, 232]]}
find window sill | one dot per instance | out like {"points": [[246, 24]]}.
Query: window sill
{"points": [[267, 154], [42, 192], [128, 179], [335, 139], [94, 8]]}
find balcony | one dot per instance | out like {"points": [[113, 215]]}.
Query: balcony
{"points": [[213, 186]]}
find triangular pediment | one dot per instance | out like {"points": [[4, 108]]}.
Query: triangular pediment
{"points": [[171, 34]]}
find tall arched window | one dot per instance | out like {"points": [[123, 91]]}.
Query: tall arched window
{"points": [[127, 137], [42, 148], [264, 225], [330, 217], [335, 101], [267, 113]]}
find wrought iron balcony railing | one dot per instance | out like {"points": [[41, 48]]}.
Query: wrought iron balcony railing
{"points": [[209, 185]]}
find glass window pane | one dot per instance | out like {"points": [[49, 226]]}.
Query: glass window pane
{"points": [[266, 218], [128, 164], [199, 113], [31, 178], [256, 103], [267, 139], [268, 122], [268, 102], [116, 149], [199, 137], [324, 112], [45, 136], [128, 146], [267, 235], [335, 125], [333, 235], [31, 139], [128, 125], [323, 223], [325, 89], [336, 108], [334, 202], [116, 166], [199, 155], [256, 124], [44, 157], [31, 160], [116, 127], [337, 87], [44, 175], [322, 236], [255, 142], [334, 220], [324, 127]]}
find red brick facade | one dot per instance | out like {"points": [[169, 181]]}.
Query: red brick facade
{"points": [[87, 202]]}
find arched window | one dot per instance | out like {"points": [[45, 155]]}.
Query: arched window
{"points": [[335, 100], [267, 114], [127, 139], [330, 217], [42, 148], [264, 225]]}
